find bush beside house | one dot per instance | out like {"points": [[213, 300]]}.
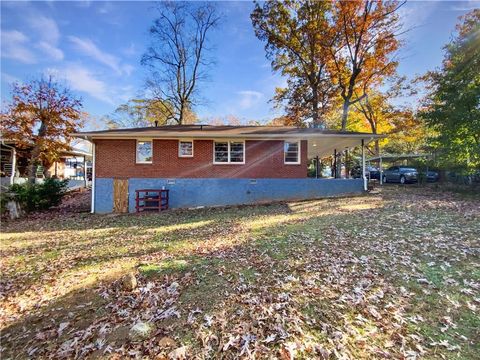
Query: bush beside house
{"points": [[33, 197]]}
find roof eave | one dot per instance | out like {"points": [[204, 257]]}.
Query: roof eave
{"points": [[91, 136]]}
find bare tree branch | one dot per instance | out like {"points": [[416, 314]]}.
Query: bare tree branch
{"points": [[178, 56]]}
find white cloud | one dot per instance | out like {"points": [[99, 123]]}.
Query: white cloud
{"points": [[15, 46], [82, 79], [128, 69], [46, 28], [249, 98], [465, 5], [415, 14], [105, 8], [9, 79], [88, 48], [131, 50], [54, 52], [49, 36], [83, 3]]}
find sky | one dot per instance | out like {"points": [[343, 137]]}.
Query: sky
{"points": [[95, 48]]}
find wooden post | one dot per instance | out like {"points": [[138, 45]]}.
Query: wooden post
{"points": [[316, 167]]}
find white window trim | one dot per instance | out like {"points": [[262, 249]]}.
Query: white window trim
{"points": [[185, 140], [136, 151], [299, 161], [229, 162]]}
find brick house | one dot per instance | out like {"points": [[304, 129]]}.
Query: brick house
{"points": [[204, 165]]}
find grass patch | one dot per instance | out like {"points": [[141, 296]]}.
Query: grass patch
{"points": [[389, 275], [164, 268]]}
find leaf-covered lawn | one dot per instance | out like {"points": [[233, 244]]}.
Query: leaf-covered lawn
{"points": [[389, 275]]}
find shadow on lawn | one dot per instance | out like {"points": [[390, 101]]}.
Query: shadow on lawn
{"points": [[75, 221], [81, 308]]}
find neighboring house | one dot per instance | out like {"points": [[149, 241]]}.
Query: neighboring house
{"points": [[205, 165], [74, 165]]}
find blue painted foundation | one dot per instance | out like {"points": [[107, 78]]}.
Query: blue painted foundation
{"points": [[103, 195], [185, 193]]}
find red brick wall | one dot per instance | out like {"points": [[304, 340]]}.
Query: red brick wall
{"points": [[263, 159]]}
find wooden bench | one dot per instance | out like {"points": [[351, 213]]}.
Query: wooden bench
{"points": [[151, 200]]}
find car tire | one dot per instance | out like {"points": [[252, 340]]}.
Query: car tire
{"points": [[384, 179], [402, 179]]}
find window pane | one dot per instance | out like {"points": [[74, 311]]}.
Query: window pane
{"points": [[144, 151], [291, 152], [186, 148], [221, 152], [236, 152]]}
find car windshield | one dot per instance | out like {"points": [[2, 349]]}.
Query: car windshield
{"points": [[409, 169]]}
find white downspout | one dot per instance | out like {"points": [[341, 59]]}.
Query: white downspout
{"points": [[14, 166], [93, 178], [364, 177]]}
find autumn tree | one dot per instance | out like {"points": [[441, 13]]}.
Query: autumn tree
{"points": [[296, 36], [408, 134], [365, 39], [41, 116], [452, 105], [139, 113], [327, 49], [377, 113], [178, 57], [285, 120]]}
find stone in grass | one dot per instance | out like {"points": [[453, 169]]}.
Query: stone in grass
{"points": [[179, 353], [141, 331], [423, 281], [167, 342], [129, 282]]}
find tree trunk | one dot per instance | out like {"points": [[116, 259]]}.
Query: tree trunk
{"points": [[338, 167], [32, 166], [346, 106], [315, 118], [377, 148], [35, 154], [181, 114]]}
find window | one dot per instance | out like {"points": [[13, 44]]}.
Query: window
{"points": [[229, 152], [236, 152], [185, 148], [144, 151], [291, 150]]}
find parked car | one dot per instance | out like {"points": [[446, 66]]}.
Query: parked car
{"points": [[432, 176], [401, 174], [371, 171]]}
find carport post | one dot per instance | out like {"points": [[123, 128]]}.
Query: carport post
{"points": [[335, 163], [85, 170], [380, 168], [364, 177]]}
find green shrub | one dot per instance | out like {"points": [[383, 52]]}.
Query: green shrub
{"points": [[39, 196]]}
